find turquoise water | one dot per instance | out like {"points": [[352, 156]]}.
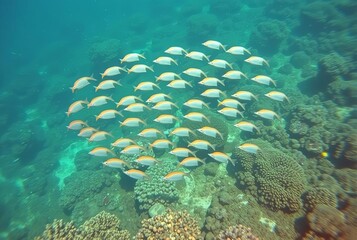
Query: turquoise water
{"points": [[299, 184]]}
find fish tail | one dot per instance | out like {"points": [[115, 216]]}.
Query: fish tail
{"points": [[102, 74]]}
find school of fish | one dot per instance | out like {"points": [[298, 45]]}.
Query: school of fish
{"points": [[161, 101]]}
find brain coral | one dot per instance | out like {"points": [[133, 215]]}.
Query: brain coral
{"points": [[274, 177], [172, 225]]}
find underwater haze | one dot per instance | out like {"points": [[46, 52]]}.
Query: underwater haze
{"points": [[205, 119]]}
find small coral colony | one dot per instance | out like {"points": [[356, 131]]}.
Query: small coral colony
{"points": [[163, 106]]}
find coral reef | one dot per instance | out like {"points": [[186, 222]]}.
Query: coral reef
{"points": [[272, 176], [268, 36], [225, 8], [172, 225], [327, 222], [238, 232], [155, 190], [103, 53], [318, 195], [201, 26], [102, 226], [82, 185], [299, 59], [320, 17], [58, 230]]}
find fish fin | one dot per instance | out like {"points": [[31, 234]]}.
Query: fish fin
{"points": [[207, 57], [151, 68], [175, 61], [230, 65], [274, 83], [102, 74]]}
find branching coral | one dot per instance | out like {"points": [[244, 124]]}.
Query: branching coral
{"points": [[317, 196], [102, 226], [58, 230], [155, 190], [172, 225], [238, 232], [273, 176], [81, 185]]}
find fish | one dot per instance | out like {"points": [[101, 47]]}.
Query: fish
{"points": [[101, 152], [201, 144], [244, 95], [234, 75], [265, 80], [76, 107], [197, 56], [87, 132], [246, 126], [132, 57], [238, 50], [81, 83], [161, 144], [211, 82], [230, 112], [146, 86], [108, 114], [196, 117], [165, 61], [278, 96], [166, 119], [99, 136], [182, 132], [210, 131], [132, 149], [221, 157], [140, 68], [164, 105], [175, 51], [150, 133], [107, 84], [230, 102], [112, 71], [194, 72], [123, 142], [174, 176], [214, 45], [77, 125], [137, 174], [195, 103], [116, 163], [249, 147], [132, 122], [136, 107], [267, 114], [146, 160], [258, 61], [126, 101], [220, 63], [158, 97], [213, 93], [99, 101], [168, 76], [190, 162], [182, 152], [179, 84]]}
